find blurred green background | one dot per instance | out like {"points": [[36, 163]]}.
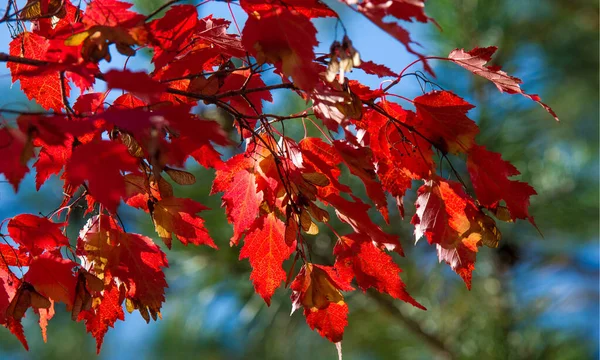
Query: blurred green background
{"points": [[533, 298]]}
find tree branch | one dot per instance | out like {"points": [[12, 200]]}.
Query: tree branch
{"points": [[214, 99], [433, 341]]}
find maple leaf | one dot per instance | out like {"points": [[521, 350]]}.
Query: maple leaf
{"points": [[475, 61], [265, 247], [104, 315], [322, 157], [355, 214], [177, 216], [407, 10], [53, 276], [133, 259], [90, 103], [171, 31], [376, 69], [444, 121], [285, 39], [16, 328], [9, 285], [240, 199], [136, 83], [44, 89], [272, 192], [317, 288], [10, 256], [100, 164], [308, 8], [489, 174], [51, 160], [15, 151], [110, 13], [449, 218], [251, 103], [360, 162], [397, 152], [45, 316], [357, 256], [335, 106], [35, 233]]}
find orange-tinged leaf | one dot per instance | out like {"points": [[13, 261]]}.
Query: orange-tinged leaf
{"points": [[316, 288], [448, 218], [133, 259], [177, 216], [45, 315], [16, 328], [330, 321]]}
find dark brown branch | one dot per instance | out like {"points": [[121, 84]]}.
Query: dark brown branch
{"points": [[433, 341], [215, 99]]}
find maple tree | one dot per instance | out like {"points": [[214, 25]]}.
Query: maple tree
{"points": [[276, 193]]}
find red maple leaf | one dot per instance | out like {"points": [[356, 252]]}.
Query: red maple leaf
{"points": [[357, 256], [171, 31], [376, 69], [285, 39], [51, 160], [15, 151], [444, 121], [45, 89], [10, 256], [489, 174], [241, 199], [104, 315], [137, 83], [308, 8], [265, 247], [133, 259], [360, 162], [249, 104], [53, 276], [110, 13], [449, 218], [36, 234], [100, 164], [475, 61], [317, 288]]}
